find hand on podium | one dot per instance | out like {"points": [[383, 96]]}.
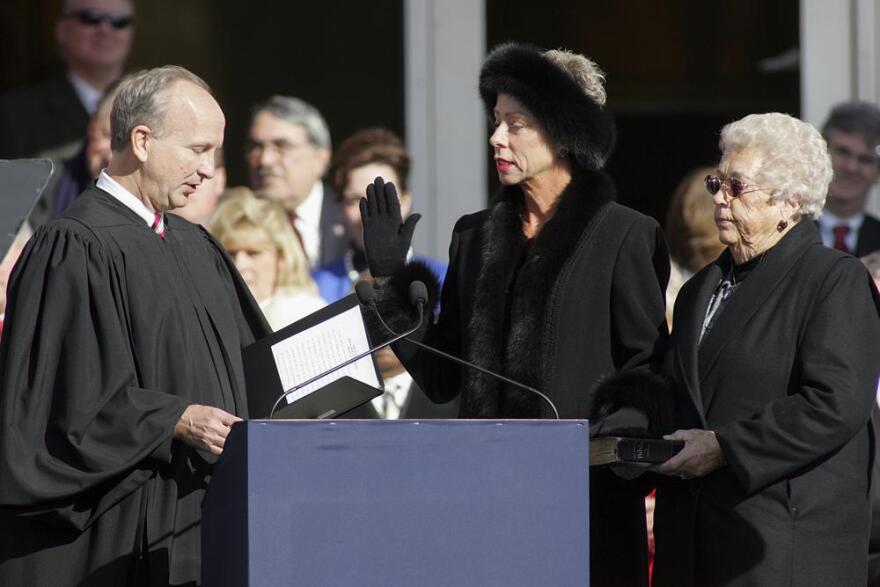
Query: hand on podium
{"points": [[204, 427]]}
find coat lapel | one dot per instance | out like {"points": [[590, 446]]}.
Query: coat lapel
{"points": [[750, 297], [687, 331]]}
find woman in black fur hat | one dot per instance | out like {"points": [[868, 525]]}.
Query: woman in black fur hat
{"points": [[556, 285]]}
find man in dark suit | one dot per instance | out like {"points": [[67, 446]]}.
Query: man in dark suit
{"points": [[94, 37], [287, 152], [853, 135]]}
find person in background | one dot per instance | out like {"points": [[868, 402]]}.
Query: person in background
{"points": [[256, 234], [72, 176], [9, 259], [872, 262], [773, 360], [95, 38], [691, 233], [360, 159], [201, 204], [852, 132], [287, 152]]}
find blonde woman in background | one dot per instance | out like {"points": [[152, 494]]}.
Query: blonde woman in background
{"points": [[691, 232], [257, 235]]}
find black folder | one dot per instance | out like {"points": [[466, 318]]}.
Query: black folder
{"points": [[334, 399]]}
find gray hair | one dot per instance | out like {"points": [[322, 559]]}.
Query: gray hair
{"points": [[585, 72], [142, 100], [855, 117], [296, 111], [795, 160]]}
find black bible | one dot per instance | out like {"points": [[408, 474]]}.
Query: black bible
{"points": [[605, 450]]}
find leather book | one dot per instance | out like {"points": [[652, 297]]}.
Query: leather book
{"points": [[606, 450]]}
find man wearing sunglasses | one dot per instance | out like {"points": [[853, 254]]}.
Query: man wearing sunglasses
{"points": [[94, 38], [852, 132]]}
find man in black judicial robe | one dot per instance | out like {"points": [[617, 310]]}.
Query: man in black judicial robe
{"points": [[120, 365]]}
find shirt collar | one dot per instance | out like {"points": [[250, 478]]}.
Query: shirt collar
{"points": [[828, 221], [87, 94], [310, 210], [129, 200]]}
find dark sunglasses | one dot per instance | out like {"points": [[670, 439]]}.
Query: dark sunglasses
{"points": [[95, 18], [735, 186]]}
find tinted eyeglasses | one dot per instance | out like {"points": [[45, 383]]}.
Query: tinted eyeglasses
{"points": [[735, 187], [95, 18]]}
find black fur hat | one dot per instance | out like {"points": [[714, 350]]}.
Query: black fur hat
{"points": [[572, 119]]}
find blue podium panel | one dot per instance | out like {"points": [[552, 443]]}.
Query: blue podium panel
{"points": [[406, 502]]}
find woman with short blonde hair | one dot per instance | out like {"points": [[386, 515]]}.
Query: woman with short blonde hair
{"points": [[257, 235]]}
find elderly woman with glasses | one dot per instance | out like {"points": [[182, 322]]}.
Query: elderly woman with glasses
{"points": [[555, 285], [774, 361]]}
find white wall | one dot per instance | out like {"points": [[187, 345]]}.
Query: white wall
{"points": [[445, 124]]}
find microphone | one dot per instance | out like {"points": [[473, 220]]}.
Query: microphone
{"points": [[359, 356], [418, 296]]}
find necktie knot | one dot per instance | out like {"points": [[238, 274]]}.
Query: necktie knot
{"points": [[841, 231]]}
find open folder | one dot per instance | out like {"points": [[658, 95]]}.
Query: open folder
{"points": [[283, 361]]}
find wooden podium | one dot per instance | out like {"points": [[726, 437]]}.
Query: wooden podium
{"points": [[399, 502]]}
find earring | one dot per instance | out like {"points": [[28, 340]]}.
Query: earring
{"points": [[563, 153], [781, 225]]}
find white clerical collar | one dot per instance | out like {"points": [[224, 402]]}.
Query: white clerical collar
{"points": [[88, 95], [129, 200]]}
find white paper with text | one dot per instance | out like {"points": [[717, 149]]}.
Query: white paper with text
{"points": [[304, 355]]}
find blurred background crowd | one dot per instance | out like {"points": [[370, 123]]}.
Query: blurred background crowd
{"points": [[321, 98]]}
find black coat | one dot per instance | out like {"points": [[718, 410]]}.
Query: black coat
{"points": [[41, 117], [868, 239], [110, 333], [786, 378], [581, 303], [334, 240]]}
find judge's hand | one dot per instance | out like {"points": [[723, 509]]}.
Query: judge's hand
{"points": [[204, 427], [700, 456], [386, 237]]}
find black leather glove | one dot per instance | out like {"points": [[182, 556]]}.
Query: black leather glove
{"points": [[386, 237]]}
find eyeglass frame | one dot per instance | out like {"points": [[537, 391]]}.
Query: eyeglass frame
{"points": [[95, 18], [847, 154], [279, 147], [734, 192]]}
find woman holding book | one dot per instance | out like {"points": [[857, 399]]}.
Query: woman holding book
{"points": [[774, 363]]}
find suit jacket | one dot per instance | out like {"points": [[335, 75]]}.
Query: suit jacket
{"points": [[868, 239], [786, 378], [582, 302], [334, 240], [41, 117]]}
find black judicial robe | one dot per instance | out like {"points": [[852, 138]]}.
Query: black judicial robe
{"points": [[110, 333]]}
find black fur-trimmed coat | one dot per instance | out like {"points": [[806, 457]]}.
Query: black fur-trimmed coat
{"points": [[582, 302]]}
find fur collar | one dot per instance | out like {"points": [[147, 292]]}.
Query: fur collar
{"points": [[507, 332]]}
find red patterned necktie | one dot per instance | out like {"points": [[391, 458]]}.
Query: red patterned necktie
{"points": [[840, 232], [157, 220], [293, 217]]}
